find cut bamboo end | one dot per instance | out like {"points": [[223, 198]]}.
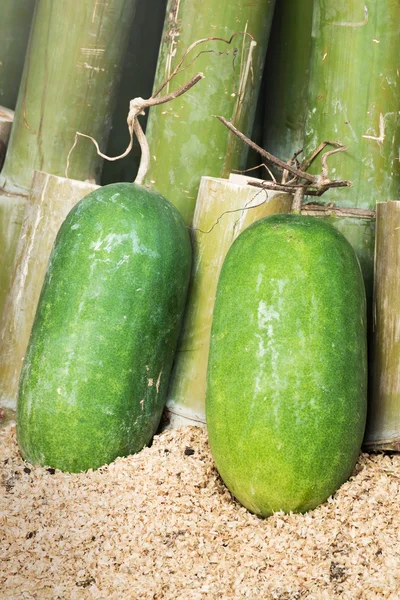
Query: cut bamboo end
{"points": [[383, 423], [50, 200], [224, 208]]}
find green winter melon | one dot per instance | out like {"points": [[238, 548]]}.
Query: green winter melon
{"points": [[287, 373], [95, 375]]}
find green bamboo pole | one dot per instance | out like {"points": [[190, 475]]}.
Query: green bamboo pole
{"points": [[214, 230], [383, 422], [137, 80], [15, 24], [186, 140], [50, 200], [69, 84], [354, 99], [286, 77]]}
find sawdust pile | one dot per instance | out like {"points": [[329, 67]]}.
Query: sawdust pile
{"points": [[161, 525]]}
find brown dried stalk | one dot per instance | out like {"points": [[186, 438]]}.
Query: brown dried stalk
{"points": [[280, 164], [302, 183]]}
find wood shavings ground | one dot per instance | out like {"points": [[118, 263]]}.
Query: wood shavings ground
{"points": [[160, 525]]}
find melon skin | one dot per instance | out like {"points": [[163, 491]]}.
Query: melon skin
{"points": [[287, 375], [95, 375]]}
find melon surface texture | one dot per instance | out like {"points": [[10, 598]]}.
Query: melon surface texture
{"points": [[287, 373], [95, 375]]}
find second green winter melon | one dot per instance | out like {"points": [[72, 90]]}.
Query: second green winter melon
{"points": [[287, 373]]}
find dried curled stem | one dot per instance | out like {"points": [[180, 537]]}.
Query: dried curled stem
{"points": [[301, 183], [280, 164], [137, 107]]}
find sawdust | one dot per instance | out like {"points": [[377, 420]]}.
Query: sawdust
{"points": [[161, 525]]}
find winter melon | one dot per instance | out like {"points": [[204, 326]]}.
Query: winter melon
{"points": [[286, 390], [95, 375]]}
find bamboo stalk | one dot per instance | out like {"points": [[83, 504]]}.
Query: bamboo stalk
{"points": [[69, 84], [50, 200], [353, 97], [185, 139], [287, 77], [219, 217], [383, 422], [15, 24]]}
